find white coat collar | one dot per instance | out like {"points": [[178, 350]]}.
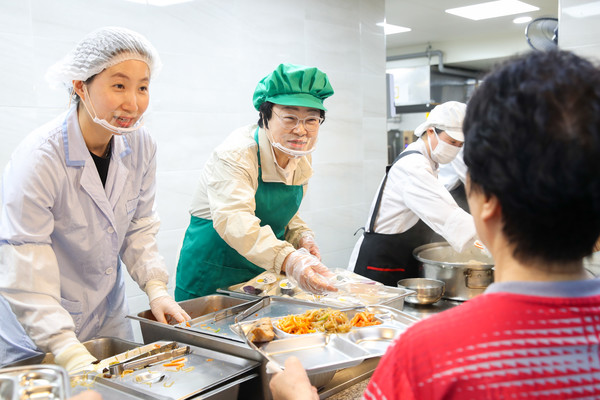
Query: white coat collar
{"points": [[421, 147], [76, 152]]}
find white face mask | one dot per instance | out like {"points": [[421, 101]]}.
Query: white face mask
{"points": [[443, 152], [105, 124]]}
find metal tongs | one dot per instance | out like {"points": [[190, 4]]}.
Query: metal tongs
{"points": [[259, 305], [148, 358]]}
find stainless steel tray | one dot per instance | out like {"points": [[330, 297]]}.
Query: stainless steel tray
{"points": [[34, 382], [209, 316], [204, 371], [318, 353], [329, 358]]}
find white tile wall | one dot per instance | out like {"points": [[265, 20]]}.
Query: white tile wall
{"points": [[578, 28], [214, 52]]}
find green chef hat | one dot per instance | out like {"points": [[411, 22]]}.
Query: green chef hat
{"points": [[293, 85]]}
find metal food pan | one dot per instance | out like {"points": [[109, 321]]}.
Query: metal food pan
{"points": [[201, 306], [34, 382], [204, 371], [317, 353], [211, 316]]}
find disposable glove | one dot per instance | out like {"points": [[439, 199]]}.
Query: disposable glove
{"points": [[307, 241], [162, 304], [165, 307], [75, 358], [306, 269], [479, 244]]}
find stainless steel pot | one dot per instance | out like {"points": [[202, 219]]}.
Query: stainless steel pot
{"points": [[466, 274]]}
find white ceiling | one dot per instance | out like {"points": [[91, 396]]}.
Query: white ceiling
{"points": [[465, 43]]}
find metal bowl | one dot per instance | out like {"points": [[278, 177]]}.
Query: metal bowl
{"points": [[428, 290]]}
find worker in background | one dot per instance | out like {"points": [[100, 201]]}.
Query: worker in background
{"points": [[412, 207]]}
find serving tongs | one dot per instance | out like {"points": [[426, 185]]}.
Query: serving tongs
{"points": [[259, 305], [148, 358]]}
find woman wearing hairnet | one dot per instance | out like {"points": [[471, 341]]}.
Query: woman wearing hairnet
{"points": [[244, 213], [78, 203], [412, 207]]}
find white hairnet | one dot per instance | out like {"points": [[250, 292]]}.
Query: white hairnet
{"points": [[99, 50]]}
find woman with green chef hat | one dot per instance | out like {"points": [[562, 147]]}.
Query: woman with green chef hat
{"points": [[245, 210]]}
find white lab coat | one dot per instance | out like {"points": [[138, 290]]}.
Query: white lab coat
{"points": [[63, 236], [413, 192]]}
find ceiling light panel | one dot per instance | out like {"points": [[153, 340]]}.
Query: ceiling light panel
{"points": [[492, 9], [390, 29]]}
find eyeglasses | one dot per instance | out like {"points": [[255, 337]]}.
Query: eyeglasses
{"points": [[290, 121]]}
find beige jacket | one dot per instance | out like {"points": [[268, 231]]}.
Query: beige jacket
{"points": [[226, 190]]}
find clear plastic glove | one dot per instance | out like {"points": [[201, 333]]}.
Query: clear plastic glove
{"points": [[307, 241], [75, 358], [309, 273], [293, 383], [165, 307], [479, 244]]}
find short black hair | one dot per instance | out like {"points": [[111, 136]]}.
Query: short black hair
{"points": [[532, 139], [265, 110]]}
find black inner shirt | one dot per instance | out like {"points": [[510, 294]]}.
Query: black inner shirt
{"points": [[102, 163]]}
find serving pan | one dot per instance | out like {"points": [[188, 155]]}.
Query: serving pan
{"points": [[203, 371], [47, 382]]}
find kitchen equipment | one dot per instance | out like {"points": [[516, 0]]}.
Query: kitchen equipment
{"points": [[42, 382], [465, 274], [428, 291]]}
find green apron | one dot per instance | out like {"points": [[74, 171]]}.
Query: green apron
{"points": [[207, 262]]}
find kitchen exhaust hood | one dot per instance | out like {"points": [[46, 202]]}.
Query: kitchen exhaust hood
{"points": [[420, 88]]}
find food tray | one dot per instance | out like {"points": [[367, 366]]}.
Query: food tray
{"points": [[34, 382], [204, 371], [394, 322], [318, 353]]}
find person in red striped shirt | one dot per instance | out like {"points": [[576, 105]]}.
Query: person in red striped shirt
{"points": [[532, 148]]}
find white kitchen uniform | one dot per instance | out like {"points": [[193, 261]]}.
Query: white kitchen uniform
{"points": [[454, 173], [413, 192], [64, 238]]}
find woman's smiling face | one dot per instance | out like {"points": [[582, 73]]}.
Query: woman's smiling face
{"points": [[297, 138], [120, 94]]}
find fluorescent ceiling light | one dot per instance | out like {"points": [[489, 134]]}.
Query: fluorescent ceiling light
{"points": [[390, 29], [159, 3], [521, 20], [583, 10], [492, 9]]}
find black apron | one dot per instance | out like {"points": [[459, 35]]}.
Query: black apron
{"points": [[387, 258]]}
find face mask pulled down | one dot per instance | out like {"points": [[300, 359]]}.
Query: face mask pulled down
{"points": [[293, 145], [119, 130], [444, 152]]}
